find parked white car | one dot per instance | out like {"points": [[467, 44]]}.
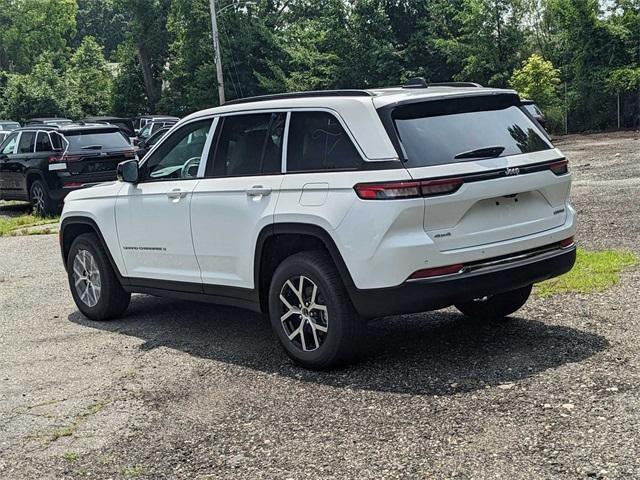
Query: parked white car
{"points": [[324, 209]]}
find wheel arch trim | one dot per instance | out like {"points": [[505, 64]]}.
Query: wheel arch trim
{"points": [[81, 220], [302, 229]]}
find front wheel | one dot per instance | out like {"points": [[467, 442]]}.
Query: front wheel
{"points": [[496, 306], [311, 313], [93, 282]]}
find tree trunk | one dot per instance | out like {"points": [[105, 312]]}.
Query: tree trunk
{"points": [[150, 84]]}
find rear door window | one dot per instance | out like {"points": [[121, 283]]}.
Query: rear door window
{"points": [[43, 142], [27, 142], [249, 145], [318, 142], [466, 129]]}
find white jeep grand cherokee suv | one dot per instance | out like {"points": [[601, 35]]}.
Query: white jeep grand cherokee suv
{"points": [[327, 208]]}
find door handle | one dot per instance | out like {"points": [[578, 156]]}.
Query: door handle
{"points": [[258, 191], [176, 194]]}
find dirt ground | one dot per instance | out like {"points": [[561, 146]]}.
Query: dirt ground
{"points": [[179, 390]]}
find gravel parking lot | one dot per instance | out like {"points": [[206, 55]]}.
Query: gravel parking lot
{"points": [[179, 390]]}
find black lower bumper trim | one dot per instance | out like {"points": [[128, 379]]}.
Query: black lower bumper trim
{"points": [[435, 293]]}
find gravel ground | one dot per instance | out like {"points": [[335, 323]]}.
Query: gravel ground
{"points": [[179, 390]]}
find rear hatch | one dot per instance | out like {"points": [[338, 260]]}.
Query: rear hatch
{"points": [[490, 173], [93, 155]]}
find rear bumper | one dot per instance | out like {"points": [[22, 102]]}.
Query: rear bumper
{"points": [[62, 183], [489, 278]]}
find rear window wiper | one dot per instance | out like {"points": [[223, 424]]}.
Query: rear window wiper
{"points": [[92, 147], [485, 152]]}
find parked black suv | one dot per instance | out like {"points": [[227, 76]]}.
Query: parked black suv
{"points": [[52, 121], [154, 124], [140, 122], [8, 125], [125, 124], [535, 112], [41, 164], [145, 144]]}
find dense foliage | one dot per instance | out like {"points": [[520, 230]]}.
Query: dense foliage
{"points": [[577, 59]]}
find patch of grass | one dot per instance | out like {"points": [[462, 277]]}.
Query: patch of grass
{"points": [[132, 472], [70, 457], [70, 429], [11, 225], [593, 272], [66, 431]]}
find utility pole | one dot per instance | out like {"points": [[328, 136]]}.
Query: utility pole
{"points": [[216, 47]]}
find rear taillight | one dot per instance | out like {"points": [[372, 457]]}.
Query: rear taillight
{"points": [[560, 167], [442, 186], [403, 190], [437, 271], [388, 191], [64, 158]]}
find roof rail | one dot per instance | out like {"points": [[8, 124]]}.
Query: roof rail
{"points": [[309, 94], [455, 84], [421, 82]]}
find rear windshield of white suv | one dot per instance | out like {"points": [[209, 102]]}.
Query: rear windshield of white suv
{"points": [[88, 140], [441, 132]]}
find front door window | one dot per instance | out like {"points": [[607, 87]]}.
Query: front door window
{"points": [[179, 155]]}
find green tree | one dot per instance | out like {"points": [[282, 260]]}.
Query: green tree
{"points": [[90, 79], [129, 96], [367, 50], [103, 21], [537, 80], [492, 35], [32, 27], [148, 33], [41, 93]]}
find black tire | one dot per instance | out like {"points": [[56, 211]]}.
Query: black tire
{"points": [[42, 203], [497, 306], [112, 300], [345, 331]]}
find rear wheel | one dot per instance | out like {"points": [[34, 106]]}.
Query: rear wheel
{"points": [[496, 306], [93, 282], [43, 204], [311, 313]]}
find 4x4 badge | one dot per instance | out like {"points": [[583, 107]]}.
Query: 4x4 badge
{"points": [[512, 171]]}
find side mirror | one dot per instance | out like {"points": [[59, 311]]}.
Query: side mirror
{"points": [[128, 171]]}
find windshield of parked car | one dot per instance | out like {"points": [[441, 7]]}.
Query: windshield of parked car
{"points": [[450, 131], [87, 140], [9, 126]]}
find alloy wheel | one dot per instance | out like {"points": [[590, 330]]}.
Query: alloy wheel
{"points": [[37, 199], [304, 316], [86, 277]]}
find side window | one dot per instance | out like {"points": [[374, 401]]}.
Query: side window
{"points": [[57, 141], [43, 142], [179, 155], [27, 142], [10, 144], [317, 141], [249, 145], [146, 131]]}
